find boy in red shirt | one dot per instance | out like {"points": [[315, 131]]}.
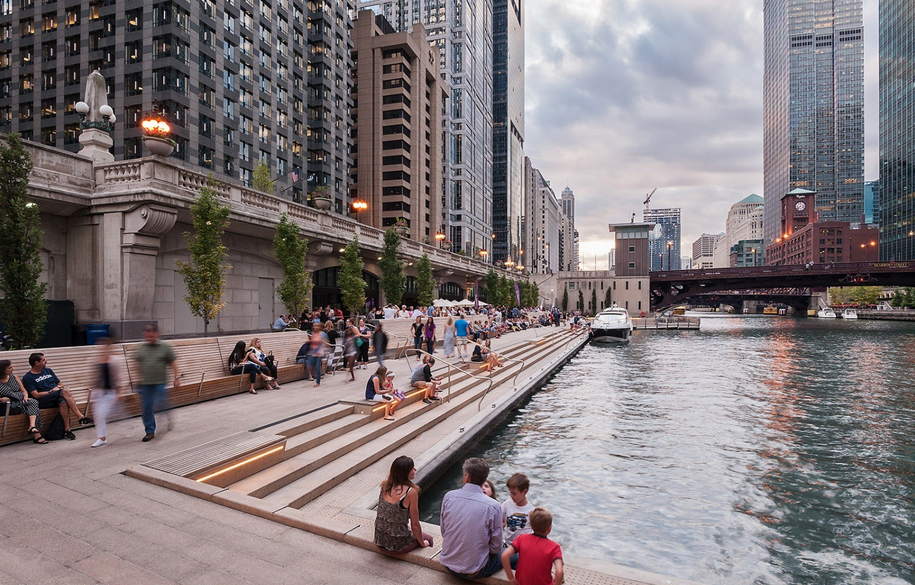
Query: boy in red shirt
{"points": [[539, 558]]}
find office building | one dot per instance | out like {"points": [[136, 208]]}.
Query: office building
{"points": [[896, 215], [745, 222], [569, 260], [747, 253], [397, 104], [462, 32], [545, 224], [508, 129], [704, 251], [872, 202], [664, 240], [240, 82], [813, 107]]}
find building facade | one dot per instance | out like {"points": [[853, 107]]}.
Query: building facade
{"points": [[664, 243], [508, 129], [896, 215], [813, 107], [397, 103], [241, 82], [569, 260], [544, 224], [462, 32], [745, 222], [704, 251]]}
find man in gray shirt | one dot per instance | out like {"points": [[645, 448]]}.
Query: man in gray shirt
{"points": [[471, 526], [153, 359]]}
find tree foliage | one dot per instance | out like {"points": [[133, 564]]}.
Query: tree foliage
{"points": [[352, 286], [565, 300], [581, 300], [860, 295], [291, 250], [393, 280], [205, 274], [425, 286], [23, 307], [903, 297], [607, 300], [593, 301], [491, 288], [260, 179]]}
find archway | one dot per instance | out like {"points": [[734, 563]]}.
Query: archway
{"points": [[451, 291], [326, 291]]}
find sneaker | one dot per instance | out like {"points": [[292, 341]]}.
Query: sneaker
{"points": [[68, 434], [149, 437], [434, 398], [85, 421], [426, 401], [100, 443]]}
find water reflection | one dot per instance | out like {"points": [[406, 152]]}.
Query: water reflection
{"points": [[756, 450]]}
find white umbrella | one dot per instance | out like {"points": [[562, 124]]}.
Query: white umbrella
{"points": [[441, 303]]}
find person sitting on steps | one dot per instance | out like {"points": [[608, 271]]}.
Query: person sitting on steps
{"points": [[44, 386]]}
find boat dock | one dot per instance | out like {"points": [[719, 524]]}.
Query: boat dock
{"points": [[676, 322]]}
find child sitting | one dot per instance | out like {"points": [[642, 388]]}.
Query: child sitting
{"points": [[539, 558], [389, 388]]}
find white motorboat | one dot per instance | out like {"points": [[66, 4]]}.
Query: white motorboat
{"points": [[849, 314], [611, 325], [827, 313]]}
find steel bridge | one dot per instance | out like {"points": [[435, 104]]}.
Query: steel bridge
{"points": [[677, 286]]}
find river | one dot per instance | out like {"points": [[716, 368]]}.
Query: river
{"points": [[756, 450]]}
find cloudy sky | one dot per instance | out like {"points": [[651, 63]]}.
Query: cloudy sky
{"points": [[623, 96]]}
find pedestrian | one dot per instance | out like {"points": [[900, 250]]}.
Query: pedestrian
{"points": [[109, 385], [380, 343], [429, 333], [154, 357]]}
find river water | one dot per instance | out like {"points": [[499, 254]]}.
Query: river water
{"points": [[757, 450]]}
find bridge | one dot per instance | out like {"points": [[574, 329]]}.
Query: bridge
{"points": [[678, 286]]}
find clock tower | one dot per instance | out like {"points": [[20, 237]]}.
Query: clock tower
{"points": [[797, 210]]}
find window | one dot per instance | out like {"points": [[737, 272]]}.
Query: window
{"points": [[134, 51], [631, 267], [49, 22], [49, 51], [6, 60], [71, 44], [228, 109], [206, 95], [205, 126], [134, 19], [206, 35], [133, 84], [26, 85], [48, 79], [48, 108]]}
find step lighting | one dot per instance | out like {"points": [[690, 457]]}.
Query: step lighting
{"points": [[240, 464]]}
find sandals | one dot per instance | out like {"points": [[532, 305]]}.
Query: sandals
{"points": [[252, 391], [39, 439]]}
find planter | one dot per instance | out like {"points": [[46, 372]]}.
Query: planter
{"points": [[159, 146], [402, 230], [322, 203]]}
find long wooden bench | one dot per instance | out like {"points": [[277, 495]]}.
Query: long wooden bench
{"points": [[202, 363]]}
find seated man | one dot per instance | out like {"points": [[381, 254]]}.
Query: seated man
{"points": [[422, 378], [43, 385], [280, 323], [471, 525]]}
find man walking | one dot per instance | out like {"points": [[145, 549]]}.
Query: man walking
{"points": [[460, 329], [471, 526], [153, 357]]}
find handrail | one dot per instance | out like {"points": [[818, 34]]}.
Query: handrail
{"points": [[450, 366], [523, 365]]}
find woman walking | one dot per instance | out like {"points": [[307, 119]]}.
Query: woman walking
{"points": [[349, 348], [429, 333], [109, 382], [417, 329], [450, 336], [397, 527], [365, 337]]}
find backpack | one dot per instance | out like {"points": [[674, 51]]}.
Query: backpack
{"points": [[55, 432]]}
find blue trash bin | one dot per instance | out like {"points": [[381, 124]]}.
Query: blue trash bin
{"points": [[95, 331]]}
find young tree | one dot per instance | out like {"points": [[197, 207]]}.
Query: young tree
{"points": [[205, 275], [491, 289], [565, 300], [393, 281], [425, 286], [607, 300], [352, 286], [503, 296], [260, 180], [593, 301], [23, 307], [290, 250], [581, 300]]}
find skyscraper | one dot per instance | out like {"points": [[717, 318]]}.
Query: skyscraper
{"points": [[462, 32], [508, 129], [813, 107], [569, 260], [897, 142], [664, 239]]}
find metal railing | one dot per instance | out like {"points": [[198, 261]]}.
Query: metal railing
{"points": [[450, 367], [515, 381]]}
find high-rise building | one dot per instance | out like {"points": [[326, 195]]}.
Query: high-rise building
{"points": [[897, 142], [664, 240], [241, 82], [872, 202], [813, 107], [569, 259], [704, 251], [462, 32], [398, 100], [508, 129], [543, 234], [745, 222]]}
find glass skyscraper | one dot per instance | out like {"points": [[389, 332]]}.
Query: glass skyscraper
{"points": [[462, 31], [664, 240], [813, 107], [897, 140]]}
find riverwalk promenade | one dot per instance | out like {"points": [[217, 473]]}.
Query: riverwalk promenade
{"points": [[73, 514]]}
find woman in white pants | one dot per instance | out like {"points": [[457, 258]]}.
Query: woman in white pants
{"points": [[109, 373]]}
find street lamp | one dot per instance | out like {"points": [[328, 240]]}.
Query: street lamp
{"points": [[483, 253], [440, 236], [359, 205], [157, 132], [754, 255], [669, 244]]}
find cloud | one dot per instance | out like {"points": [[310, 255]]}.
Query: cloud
{"points": [[629, 95]]}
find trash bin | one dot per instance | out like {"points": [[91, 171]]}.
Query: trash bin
{"points": [[95, 331]]}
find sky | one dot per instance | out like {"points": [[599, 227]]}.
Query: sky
{"points": [[624, 96]]}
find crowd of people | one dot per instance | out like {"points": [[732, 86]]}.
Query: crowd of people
{"points": [[479, 535]]}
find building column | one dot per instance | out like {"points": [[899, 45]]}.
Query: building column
{"points": [[143, 229]]}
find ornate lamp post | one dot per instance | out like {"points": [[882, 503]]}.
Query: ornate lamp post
{"points": [[359, 205], [440, 236], [483, 254], [157, 133], [95, 120], [669, 244]]}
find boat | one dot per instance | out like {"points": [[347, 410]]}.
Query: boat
{"points": [[611, 325], [770, 310], [849, 313], [827, 313], [681, 310]]}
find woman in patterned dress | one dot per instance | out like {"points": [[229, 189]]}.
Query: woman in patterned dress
{"points": [[398, 506]]}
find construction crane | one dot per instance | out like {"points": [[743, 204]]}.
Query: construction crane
{"points": [[648, 198]]}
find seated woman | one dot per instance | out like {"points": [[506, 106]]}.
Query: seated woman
{"points": [[477, 355], [239, 363], [375, 390], [493, 359], [398, 503], [11, 388], [256, 355]]}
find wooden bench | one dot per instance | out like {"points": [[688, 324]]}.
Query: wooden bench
{"points": [[202, 363]]}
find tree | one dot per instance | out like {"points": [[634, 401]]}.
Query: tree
{"points": [[581, 300], [205, 275], [23, 307], [290, 250], [903, 297], [607, 300], [593, 301], [491, 289], [260, 180], [860, 295], [506, 292], [393, 281], [352, 286], [425, 286], [565, 300]]}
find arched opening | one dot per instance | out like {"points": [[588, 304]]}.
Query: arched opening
{"points": [[451, 291], [327, 292]]}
